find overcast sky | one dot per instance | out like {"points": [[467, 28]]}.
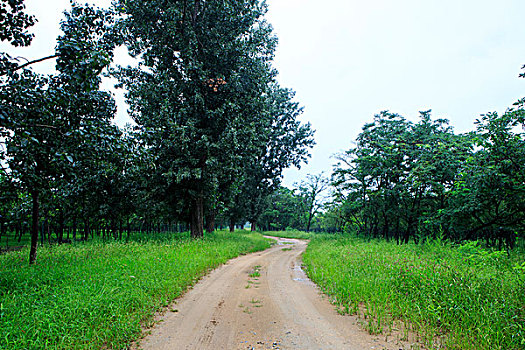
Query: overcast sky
{"points": [[350, 59]]}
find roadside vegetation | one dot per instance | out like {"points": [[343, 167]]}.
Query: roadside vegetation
{"points": [[452, 296], [99, 295]]}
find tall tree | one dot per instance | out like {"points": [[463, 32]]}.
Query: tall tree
{"points": [[282, 141], [47, 117], [397, 179], [488, 198], [187, 94]]}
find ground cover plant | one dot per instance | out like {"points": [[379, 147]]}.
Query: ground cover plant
{"points": [[461, 297], [100, 295]]}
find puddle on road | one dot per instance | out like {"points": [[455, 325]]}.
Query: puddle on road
{"points": [[300, 276]]}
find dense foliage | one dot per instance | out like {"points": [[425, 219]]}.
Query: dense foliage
{"points": [[406, 180], [418, 181], [214, 130]]}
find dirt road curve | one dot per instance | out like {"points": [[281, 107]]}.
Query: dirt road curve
{"points": [[234, 308]]}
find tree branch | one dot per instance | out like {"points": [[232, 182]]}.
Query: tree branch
{"points": [[30, 63]]}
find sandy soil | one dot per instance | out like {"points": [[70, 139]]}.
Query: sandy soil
{"points": [[233, 308]]}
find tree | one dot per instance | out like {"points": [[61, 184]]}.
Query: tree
{"points": [[488, 198], [311, 192], [204, 65], [45, 119], [282, 141], [14, 23], [396, 182], [283, 211]]}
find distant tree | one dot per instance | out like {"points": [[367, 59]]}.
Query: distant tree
{"points": [[313, 196], [396, 182], [282, 142], [284, 210]]}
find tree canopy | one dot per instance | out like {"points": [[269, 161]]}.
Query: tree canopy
{"points": [[212, 122]]}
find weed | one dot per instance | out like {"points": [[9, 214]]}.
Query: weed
{"points": [[256, 272]]}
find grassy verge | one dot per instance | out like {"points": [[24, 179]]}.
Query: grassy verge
{"points": [[464, 297], [290, 234], [99, 295]]}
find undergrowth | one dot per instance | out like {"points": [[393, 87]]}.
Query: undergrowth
{"points": [[99, 295], [462, 297]]}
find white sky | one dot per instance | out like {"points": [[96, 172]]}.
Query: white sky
{"points": [[350, 59]]}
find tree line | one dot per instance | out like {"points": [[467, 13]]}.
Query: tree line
{"points": [[214, 129], [421, 181], [406, 180]]}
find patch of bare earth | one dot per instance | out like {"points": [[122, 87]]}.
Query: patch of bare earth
{"points": [[261, 301]]}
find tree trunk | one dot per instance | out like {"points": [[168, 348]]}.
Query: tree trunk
{"points": [[309, 223], [18, 232], [34, 226], [210, 221], [254, 225], [74, 227], [408, 231], [397, 231], [197, 220], [61, 227], [47, 228], [232, 225], [86, 229]]}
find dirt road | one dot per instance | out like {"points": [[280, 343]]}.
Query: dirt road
{"points": [[260, 301]]}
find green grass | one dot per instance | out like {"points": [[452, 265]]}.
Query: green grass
{"points": [[467, 297], [256, 272], [290, 234], [100, 295], [11, 240]]}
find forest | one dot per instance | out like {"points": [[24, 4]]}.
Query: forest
{"points": [[416, 181], [214, 129]]}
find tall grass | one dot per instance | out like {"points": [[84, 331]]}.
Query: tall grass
{"points": [[467, 297], [99, 295]]}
